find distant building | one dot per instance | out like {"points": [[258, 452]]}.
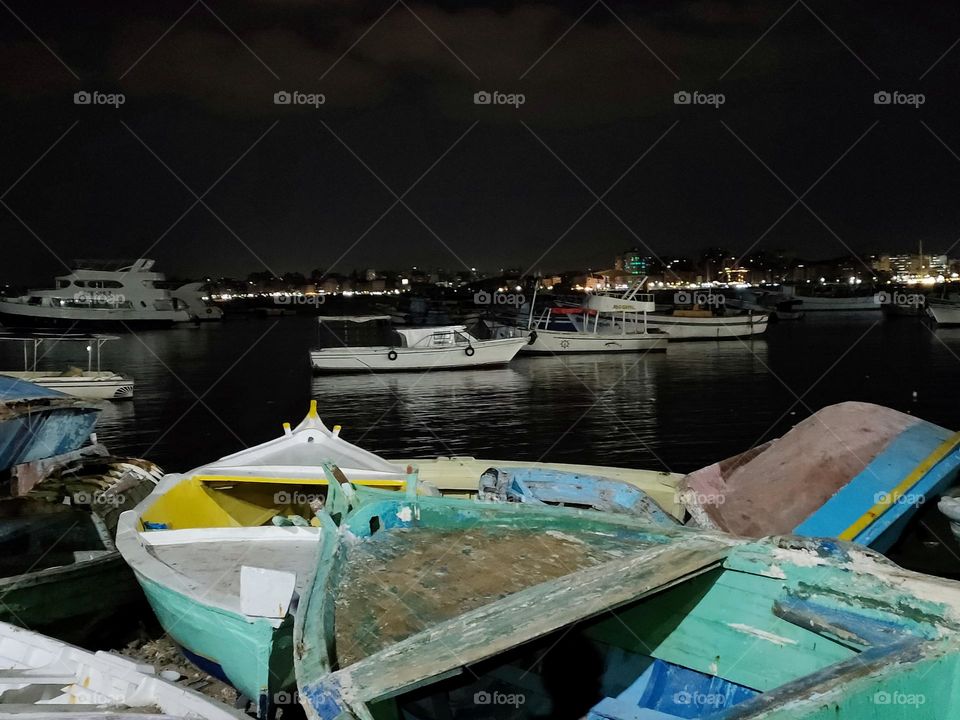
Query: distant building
{"points": [[632, 262]]}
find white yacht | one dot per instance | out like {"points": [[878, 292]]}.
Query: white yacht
{"points": [[100, 294]]}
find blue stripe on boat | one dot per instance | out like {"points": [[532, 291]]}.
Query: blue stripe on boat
{"points": [[887, 470]]}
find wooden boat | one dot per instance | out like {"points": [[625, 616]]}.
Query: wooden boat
{"points": [[706, 324], [36, 422], [434, 608], [94, 383], [419, 348], [44, 678], [60, 572], [222, 551], [568, 489], [852, 471]]}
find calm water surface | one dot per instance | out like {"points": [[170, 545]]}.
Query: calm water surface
{"points": [[203, 392]]}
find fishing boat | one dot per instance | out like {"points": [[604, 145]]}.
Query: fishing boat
{"points": [[434, 608], [94, 383], [222, 550], [98, 294], [835, 298], [776, 304], [385, 349], [569, 489], [44, 678], [37, 422], [604, 324], [699, 323], [60, 572], [853, 471]]}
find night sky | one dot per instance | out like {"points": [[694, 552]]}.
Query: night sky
{"points": [[292, 188]]}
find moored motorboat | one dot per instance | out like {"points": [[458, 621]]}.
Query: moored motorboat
{"points": [[592, 615], [708, 323], [94, 383], [43, 678], [853, 471], [604, 324], [98, 294], [944, 312], [192, 298], [405, 349]]}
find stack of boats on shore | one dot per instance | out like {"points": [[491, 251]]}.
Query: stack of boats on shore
{"points": [[466, 588]]}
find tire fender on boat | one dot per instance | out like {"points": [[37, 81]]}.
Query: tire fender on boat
{"points": [[469, 351], [533, 338], [392, 355]]}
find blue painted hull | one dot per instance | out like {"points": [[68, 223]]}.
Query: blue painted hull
{"points": [[41, 432], [917, 465]]}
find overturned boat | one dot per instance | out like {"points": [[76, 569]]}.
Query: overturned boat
{"points": [[853, 471]]}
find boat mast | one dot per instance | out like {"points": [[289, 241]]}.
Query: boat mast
{"points": [[533, 302]]}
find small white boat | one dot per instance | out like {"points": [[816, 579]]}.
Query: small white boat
{"points": [[839, 301], [705, 324], [94, 383], [944, 312], [604, 324], [384, 349], [42, 678], [192, 298]]}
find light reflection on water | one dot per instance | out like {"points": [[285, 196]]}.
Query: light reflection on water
{"points": [[679, 410]]}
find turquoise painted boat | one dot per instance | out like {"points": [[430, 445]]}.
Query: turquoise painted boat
{"points": [[852, 471], [37, 423], [434, 608]]}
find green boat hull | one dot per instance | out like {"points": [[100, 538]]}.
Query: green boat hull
{"points": [[249, 653]]}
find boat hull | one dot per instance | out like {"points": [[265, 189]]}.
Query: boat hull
{"points": [[77, 603], [557, 342], [40, 432], [486, 353], [710, 328], [249, 653], [839, 304], [15, 314], [944, 314], [89, 385]]}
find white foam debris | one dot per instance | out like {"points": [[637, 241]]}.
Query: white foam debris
{"points": [[405, 514]]}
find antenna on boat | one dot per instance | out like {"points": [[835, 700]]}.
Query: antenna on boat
{"points": [[533, 302]]}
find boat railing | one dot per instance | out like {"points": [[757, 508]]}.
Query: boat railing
{"points": [[94, 344]]}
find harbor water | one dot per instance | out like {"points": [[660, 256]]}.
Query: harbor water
{"points": [[205, 391]]}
